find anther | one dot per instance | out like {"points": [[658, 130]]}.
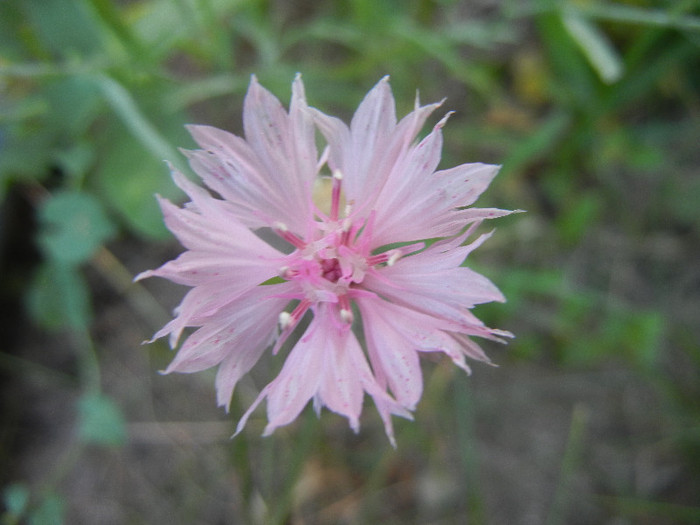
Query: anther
{"points": [[346, 315], [345, 310], [282, 230], [287, 273], [393, 257], [285, 319]]}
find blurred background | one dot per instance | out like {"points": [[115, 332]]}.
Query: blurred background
{"points": [[593, 415]]}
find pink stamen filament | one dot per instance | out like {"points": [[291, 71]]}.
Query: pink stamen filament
{"points": [[289, 321], [335, 195], [299, 311], [389, 257], [281, 229]]}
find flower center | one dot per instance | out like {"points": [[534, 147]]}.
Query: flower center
{"points": [[330, 270], [330, 266]]}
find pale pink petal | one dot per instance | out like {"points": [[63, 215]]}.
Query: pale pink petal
{"points": [[368, 151], [249, 321], [435, 282], [392, 355], [267, 177], [341, 389], [405, 327]]}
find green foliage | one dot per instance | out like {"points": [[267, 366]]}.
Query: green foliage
{"points": [[51, 511], [58, 297], [101, 422], [73, 227], [15, 497]]}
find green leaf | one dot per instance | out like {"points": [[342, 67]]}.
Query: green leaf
{"points": [[540, 142], [73, 226], [595, 46], [51, 511], [76, 160], [579, 217], [58, 297], [64, 27], [15, 497], [101, 422], [74, 102], [130, 173], [126, 108], [573, 82], [128, 178]]}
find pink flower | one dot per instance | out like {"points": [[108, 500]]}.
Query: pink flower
{"points": [[360, 264]]}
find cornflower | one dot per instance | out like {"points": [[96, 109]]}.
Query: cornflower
{"points": [[261, 256]]}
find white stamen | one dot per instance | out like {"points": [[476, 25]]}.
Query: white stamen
{"points": [[280, 226], [338, 175], [347, 224], [346, 315], [393, 258], [285, 320]]}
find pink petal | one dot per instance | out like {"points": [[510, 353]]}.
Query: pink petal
{"points": [[268, 177], [403, 327], [245, 324], [391, 353]]}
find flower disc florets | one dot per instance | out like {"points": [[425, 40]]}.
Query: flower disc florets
{"points": [[248, 295]]}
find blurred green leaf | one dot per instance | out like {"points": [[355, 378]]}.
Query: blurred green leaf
{"points": [[64, 27], [51, 511], [73, 226], [58, 297], [15, 498], [129, 177], [674, 17], [574, 84], [643, 332], [538, 143], [124, 105], [578, 216], [160, 25], [73, 102], [76, 160], [101, 422], [24, 154], [594, 45]]}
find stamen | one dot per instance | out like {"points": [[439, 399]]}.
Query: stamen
{"points": [[281, 229], [394, 257], [335, 195], [285, 319], [287, 273], [389, 257], [345, 309], [346, 315], [300, 310], [288, 322]]}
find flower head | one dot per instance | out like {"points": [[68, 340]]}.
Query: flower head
{"points": [[361, 262]]}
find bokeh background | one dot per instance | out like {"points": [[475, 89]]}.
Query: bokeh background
{"points": [[593, 415]]}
